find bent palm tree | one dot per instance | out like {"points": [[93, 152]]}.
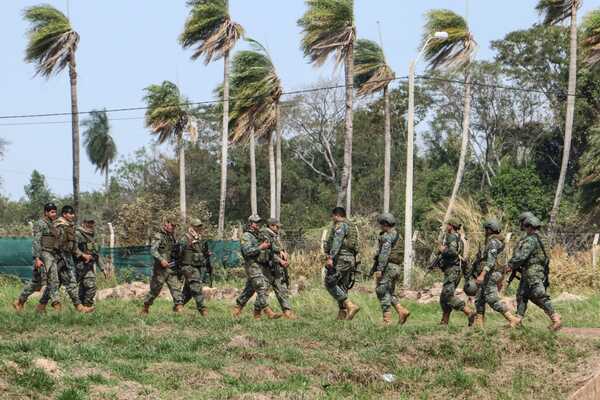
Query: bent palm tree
{"points": [[591, 38], [52, 44], [555, 12], [453, 53], [211, 31], [371, 75], [328, 29], [169, 116], [99, 144]]}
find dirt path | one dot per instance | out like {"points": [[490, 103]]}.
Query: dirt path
{"points": [[587, 332]]}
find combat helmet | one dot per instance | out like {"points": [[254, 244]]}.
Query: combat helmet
{"points": [[492, 224], [470, 287], [455, 222], [534, 222], [196, 222], [524, 215], [386, 218], [254, 218], [273, 221]]}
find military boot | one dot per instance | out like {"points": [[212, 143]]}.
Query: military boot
{"points": [[41, 308], [237, 310], [513, 321], [18, 306], [288, 314], [403, 314], [351, 308], [57, 306], [79, 308], [342, 314], [257, 314], [387, 317], [204, 312], [178, 309], [145, 309], [271, 314], [470, 313], [479, 321], [445, 318], [556, 322]]}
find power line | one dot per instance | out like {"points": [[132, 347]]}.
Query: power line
{"points": [[52, 178]]}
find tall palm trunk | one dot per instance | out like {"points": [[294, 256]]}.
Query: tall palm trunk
{"points": [[272, 178], [388, 150], [463, 148], [224, 145], [106, 186], [74, 129], [253, 199], [278, 168], [347, 172], [182, 190], [569, 118]]}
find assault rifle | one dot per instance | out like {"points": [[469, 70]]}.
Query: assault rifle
{"points": [[209, 269]]}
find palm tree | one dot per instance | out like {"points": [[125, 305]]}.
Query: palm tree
{"points": [[591, 38], [328, 29], [453, 53], [255, 110], [555, 12], [373, 74], [99, 144], [210, 30], [169, 116], [52, 44]]}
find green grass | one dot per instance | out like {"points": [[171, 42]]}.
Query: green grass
{"points": [[114, 352]]}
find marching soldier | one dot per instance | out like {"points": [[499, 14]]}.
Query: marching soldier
{"points": [[194, 264], [164, 250], [85, 272], [387, 269], [44, 250]]}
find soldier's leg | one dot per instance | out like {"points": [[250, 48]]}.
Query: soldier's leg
{"points": [[448, 299], [259, 283], [492, 296], [193, 276], [247, 292], [35, 285], [175, 284], [51, 293], [282, 293], [480, 299], [539, 297], [66, 275], [89, 287], [522, 297], [384, 292], [333, 284], [156, 284]]}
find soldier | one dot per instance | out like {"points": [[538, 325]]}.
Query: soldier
{"points": [[276, 263], [521, 289], [68, 252], [490, 277], [531, 258], [164, 250], [387, 269], [85, 272], [44, 250], [256, 282], [341, 249], [194, 264], [451, 252]]}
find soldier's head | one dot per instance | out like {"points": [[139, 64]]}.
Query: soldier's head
{"points": [[274, 224], [197, 225], [168, 224], [386, 221], [453, 225], [492, 226], [522, 217], [532, 224], [254, 221], [68, 213], [89, 223], [338, 214], [50, 210]]}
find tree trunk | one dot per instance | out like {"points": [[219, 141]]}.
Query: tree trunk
{"points": [[224, 145], [253, 199], [569, 119], [74, 129], [278, 168], [388, 151], [272, 178], [347, 172], [106, 187], [408, 197], [182, 191], [463, 149]]}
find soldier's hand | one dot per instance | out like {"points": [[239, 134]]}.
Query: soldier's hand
{"points": [[264, 245], [38, 263], [329, 262], [441, 249], [480, 278], [377, 275], [164, 263], [284, 255], [284, 263], [87, 258]]}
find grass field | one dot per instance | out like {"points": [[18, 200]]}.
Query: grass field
{"points": [[116, 354]]}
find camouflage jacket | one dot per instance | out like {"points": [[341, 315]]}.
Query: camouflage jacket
{"points": [[334, 245], [162, 246], [249, 245], [67, 242], [273, 253], [387, 241], [86, 242], [194, 249], [494, 245], [528, 252], [44, 230], [454, 250]]}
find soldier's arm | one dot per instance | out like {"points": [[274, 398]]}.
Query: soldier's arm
{"points": [[491, 253], [384, 253], [155, 244], [205, 249], [78, 239], [338, 239], [249, 246], [524, 251], [36, 247]]}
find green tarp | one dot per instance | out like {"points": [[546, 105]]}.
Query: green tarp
{"points": [[15, 257]]}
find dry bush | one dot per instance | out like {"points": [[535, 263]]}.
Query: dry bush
{"points": [[572, 271]]}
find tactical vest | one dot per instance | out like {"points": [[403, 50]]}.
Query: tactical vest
{"points": [[167, 243], [49, 239], [499, 238], [351, 240], [192, 255], [67, 242], [397, 252]]}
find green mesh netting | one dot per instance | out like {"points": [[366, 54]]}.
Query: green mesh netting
{"points": [[15, 256]]}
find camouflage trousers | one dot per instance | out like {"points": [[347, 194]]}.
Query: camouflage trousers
{"points": [[386, 287], [275, 278], [193, 283], [338, 278], [160, 277], [488, 294], [40, 277], [65, 277], [256, 282], [86, 281], [448, 299], [531, 287]]}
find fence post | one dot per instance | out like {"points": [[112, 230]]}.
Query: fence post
{"points": [[414, 241], [31, 227], [323, 238], [111, 244], [595, 250], [508, 246]]}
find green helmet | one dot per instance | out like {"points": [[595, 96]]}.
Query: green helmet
{"points": [[254, 218], [455, 222], [534, 222], [88, 219], [386, 218], [524, 215], [492, 224], [273, 221], [196, 222]]}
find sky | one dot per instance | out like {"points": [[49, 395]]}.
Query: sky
{"points": [[127, 45]]}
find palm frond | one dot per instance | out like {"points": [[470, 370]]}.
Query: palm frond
{"points": [[591, 37], [210, 30], [327, 28], [371, 71], [168, 111], [51, 39], [454, 52], [590, 161], [99, 144], [556, 11]]}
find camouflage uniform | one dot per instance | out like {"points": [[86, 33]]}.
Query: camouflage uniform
{"points": [[256, 282], [389, 268], [452, 273], [488, 292], [162, 247], [86, 272], [194, 266], [67, 251], [44, 247], [338, 278], [272, 269]]}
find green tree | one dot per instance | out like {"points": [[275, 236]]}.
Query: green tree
{"points": [[52, 44], [328, 29], [373, 74], [211, 31], [99, 144], [37, 193], [591, 37]]}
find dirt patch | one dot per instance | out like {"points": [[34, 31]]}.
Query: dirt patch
{"points": [[126, 390], [137, 291], [85, 371], [243, 342], [586, 332], [48, 366], [259, 372], [566, 296]]}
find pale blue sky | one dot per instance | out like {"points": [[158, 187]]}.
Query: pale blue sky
{"points": [[128, 44]]}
